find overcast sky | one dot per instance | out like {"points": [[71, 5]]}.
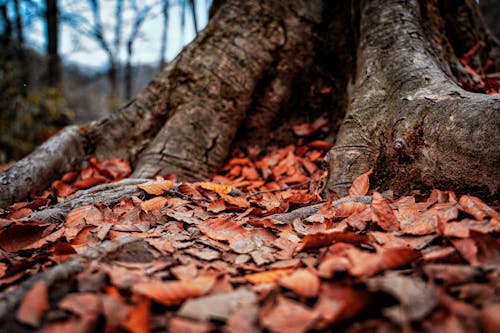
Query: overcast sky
{"points": [[79, 48]]}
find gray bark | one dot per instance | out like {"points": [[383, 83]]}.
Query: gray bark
{"points": [[259, 63]]}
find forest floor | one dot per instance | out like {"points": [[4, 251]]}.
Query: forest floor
{"points": [[254, 248]]}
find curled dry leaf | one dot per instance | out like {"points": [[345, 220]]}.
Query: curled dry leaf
{"points": [[382, 213], [156, 187], [476, 207], [219, 188], [361, 184], [153, 204]]}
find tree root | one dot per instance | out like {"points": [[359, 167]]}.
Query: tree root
{"points": [[62, 272]]}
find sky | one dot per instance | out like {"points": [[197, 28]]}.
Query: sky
{"points": [[77, 47]]}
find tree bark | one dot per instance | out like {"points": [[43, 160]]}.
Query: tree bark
{"points": [[394, 79]]}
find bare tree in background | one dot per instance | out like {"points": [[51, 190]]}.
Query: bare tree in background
{"points": [[23, 63], [140, 15], [164, 11], [97, 33], [54, 61]]}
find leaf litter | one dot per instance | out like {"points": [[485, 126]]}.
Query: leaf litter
{"points": [[253, 248]]}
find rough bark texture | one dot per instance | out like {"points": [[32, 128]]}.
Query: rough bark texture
{"points": [[219, 74], [407, 118], [390, 67]]}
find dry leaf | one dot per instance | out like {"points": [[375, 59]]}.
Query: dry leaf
{"points": [[361, 184], [156, 187]]}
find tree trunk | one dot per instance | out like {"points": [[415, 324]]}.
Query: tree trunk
{"points": [[392, 76]]}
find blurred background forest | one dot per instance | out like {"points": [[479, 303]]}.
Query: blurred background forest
{"points": [[71, 61]]}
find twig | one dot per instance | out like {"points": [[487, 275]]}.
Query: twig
{"points": [[278, 189], [307, 211]]}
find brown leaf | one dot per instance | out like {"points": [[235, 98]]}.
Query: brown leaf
{"points": [[63, 189], [416, 298], [269, 276], [156, 187], [17, 236], [477, 208], [116, 168], [34, 305], [223, 228], [321, 239], [78, 218], [490, 319], [175, 292], [218, 188], [217, 206], [153, 204], [361, 184], [338, 303], [382, 213], [88, 182], [138, 320], [180, 325], [288, 317], [302, 282], [219, 306]]}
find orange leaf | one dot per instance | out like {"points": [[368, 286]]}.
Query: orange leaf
{"points": [[175, 292], [240, 202], [156, 187], [269, 276], [302, 282], [138, 320], [88, 182], [477, 208], [34, 304], [221, 228], [153, 204], [219, 188], [78, 218], [382, 213], [116, 168], [361, 184], [63, 189]]}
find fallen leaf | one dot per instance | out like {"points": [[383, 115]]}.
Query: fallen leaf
{"points": [[219, 306], [416, 298], [175, 292], [302, 282], [382, 213], [360, 185], [153, 204], [156, 187], [476, 207], [34, 305], [288, 317], [138, 320], [269, 276], [218, 188]]}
